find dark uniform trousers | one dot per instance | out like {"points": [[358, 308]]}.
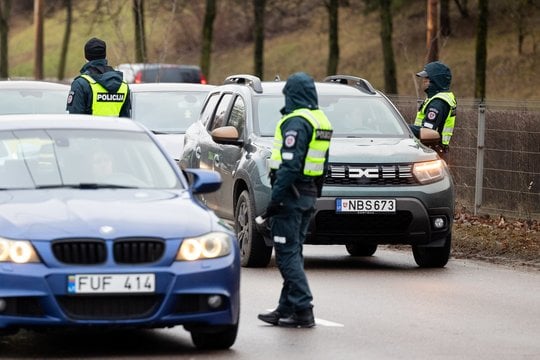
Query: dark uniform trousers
{"points": [[289, 229]]}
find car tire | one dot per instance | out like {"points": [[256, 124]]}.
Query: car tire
{"points": [[214, 340], [253, 249], [433, 257], [361, 249]]}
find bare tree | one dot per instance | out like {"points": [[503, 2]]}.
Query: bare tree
{"points": [[207, 32], [65, 41], [258, 30], [140, 37], [481, 50], [38, 45], [432, 27], [385, 11], [446, 29], [333, 36], [463, 8], [5, 10]]}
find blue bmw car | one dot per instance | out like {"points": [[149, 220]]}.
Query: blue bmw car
{"points": [[99, 227]]}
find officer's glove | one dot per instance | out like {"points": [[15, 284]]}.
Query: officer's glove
{"points": [[273, 208]]}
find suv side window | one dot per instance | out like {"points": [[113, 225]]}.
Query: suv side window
{"points": [[238, 115], [219, 119], [208, 110]]}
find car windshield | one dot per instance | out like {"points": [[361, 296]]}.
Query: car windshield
{"points": [[351, 116], [176, 110], [82, 159], [32, 101]]}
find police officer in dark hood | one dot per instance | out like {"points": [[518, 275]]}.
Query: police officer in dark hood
{"points": [[99, 89], [438, 111], [298, 165]]}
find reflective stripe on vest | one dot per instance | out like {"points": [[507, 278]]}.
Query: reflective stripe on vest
{"points": [[450, 120], [105, 103], [318, 146]]}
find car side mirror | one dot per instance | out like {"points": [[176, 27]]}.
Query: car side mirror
{"points": [[429, 137], [226, 135]]}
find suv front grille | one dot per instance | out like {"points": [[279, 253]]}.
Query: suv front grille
{"points": [[80, 251], [364, 175], [138, 250], [115, 307]]}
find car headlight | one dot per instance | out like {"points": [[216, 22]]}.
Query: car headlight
{"points": [[208, 246], [17, 251], [430, 171]]}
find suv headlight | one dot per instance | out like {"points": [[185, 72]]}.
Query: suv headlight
{"points": [[208, 246], [17, 251], [430, 171]]}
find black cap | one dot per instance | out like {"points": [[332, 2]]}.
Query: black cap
{"points": [[95, 49]]}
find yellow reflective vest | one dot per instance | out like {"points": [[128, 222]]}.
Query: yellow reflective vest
{"points": [[450, 120], [105, 103], [318, 146]]}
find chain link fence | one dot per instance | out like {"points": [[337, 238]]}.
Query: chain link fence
{"points": [[494, 155]]}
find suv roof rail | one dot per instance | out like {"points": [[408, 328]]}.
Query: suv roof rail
{"points": [[250, 80], [355, 81]]}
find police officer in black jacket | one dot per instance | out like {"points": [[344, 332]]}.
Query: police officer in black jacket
{"points": [[99, 89], [298, 164]]}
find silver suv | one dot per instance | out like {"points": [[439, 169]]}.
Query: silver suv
{"points": [[384, 186]]}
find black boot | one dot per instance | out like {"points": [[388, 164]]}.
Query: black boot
{"points": [[271, 317], [300, 319]]}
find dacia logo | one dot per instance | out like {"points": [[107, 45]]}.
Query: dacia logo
{"points": [[367, 172], [110, 97]]}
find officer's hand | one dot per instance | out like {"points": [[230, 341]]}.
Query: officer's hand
{"points": [[273, 208]]}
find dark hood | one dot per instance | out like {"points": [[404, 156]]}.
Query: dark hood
{"points": [[439, 76], [299, 93], [105, 75]]}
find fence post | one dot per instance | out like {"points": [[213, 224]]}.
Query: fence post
{"points": [[478, 189]]}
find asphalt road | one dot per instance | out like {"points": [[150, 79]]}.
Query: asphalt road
{"points": [[383, 307]]}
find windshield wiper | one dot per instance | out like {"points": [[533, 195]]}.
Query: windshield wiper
{"points": [[86, 186]]}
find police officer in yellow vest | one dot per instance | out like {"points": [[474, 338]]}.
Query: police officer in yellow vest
{"points": [[99, 89], [298, 164], [438, 111]]}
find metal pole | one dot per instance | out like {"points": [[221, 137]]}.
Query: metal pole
{"points": [[480, 156]]}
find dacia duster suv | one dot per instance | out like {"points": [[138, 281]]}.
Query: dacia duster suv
{"points": [[383, 185]]}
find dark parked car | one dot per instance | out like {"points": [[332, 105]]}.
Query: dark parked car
{"points": [[143, 73], [100, 228], [384, 186]]}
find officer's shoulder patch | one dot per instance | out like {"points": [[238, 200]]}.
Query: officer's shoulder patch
{"points": [[70, 97], [290, 140], [432, 114]]}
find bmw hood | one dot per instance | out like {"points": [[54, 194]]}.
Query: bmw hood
{"points": [[58, 213], [378, 151]]}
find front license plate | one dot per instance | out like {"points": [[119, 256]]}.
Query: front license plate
{"points": [[111, 283], [365, 206]]}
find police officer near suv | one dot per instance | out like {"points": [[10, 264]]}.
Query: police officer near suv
{"points": [[298, 164], [99, 89], [438, 111]]}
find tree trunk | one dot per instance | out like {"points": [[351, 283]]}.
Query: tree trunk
{"points": [[432, 40], [446, 29], [208, 29], [258, 29], [140, 37], [390, 83], [38, 45], [481, 50], [333, 36], [65, 41], [5, 10]]}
